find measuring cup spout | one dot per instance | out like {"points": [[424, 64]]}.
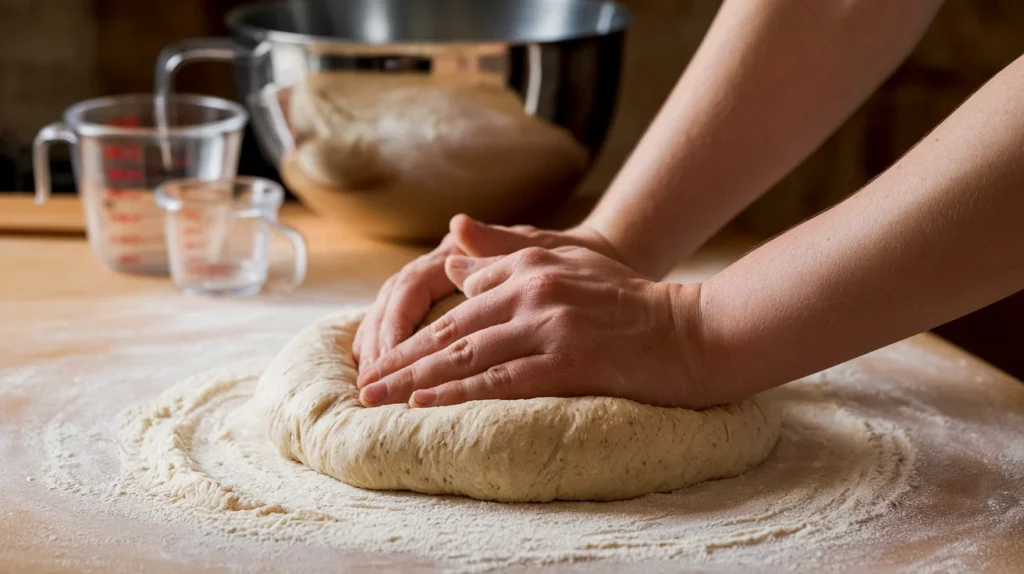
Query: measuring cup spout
{"points": [[55, 132]]}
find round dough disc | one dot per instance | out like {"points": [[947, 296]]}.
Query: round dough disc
{"points": [[536, 450]]}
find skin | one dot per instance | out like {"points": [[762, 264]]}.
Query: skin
{"points": [[936, 236]]}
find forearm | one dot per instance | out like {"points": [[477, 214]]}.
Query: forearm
{"points": [[938, 235], [771, 80]]}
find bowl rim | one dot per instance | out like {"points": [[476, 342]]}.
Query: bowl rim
{"points": [[617, 21]]}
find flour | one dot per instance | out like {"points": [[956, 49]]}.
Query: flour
{"points": [[838, 468], [872, 471]]}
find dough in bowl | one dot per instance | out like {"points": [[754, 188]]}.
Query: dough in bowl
{"points": [[536, 450]]}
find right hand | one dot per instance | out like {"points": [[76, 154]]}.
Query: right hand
{"points": [[405, 298]]}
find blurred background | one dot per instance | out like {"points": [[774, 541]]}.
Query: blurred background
{"points": [[57, 52]]}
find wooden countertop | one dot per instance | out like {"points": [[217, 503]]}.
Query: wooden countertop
{"points": [[57, 303]]}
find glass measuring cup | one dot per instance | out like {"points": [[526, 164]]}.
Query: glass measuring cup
{"points": [[219, 235], [119, 156]]}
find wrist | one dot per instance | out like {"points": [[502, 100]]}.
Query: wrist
{"points": [[627, 247], [591, 236], [685, 332], [705, 359]]}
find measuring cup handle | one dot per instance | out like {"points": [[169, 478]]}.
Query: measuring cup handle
{"points": [[191, 50], [300, 253], [55, 132]]}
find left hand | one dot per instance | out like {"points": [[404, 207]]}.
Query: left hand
{"points": [[540, 322], [406, 297]]}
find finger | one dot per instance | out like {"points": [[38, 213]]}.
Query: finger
{"points": [[483, 240], [522, 378], [459, 267], [498, 272], [365, 348], [464, 358], [474, 315], [411, 297]]}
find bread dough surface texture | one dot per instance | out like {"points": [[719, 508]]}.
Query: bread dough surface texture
{"points": [[360, 132], [536, 450]]}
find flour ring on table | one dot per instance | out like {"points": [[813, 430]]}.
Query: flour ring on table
{"points": [[535, 450]]}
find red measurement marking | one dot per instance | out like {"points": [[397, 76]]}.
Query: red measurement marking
{"points": [[129, 259], [129, 194], [194, 245], [126, 217], [126, 239], [193, 231], [133, 175], [124, 121], [191, 214], [118, 152]]}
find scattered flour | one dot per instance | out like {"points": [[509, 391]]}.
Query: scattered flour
{"points": [[838, 468], [873, 470]]}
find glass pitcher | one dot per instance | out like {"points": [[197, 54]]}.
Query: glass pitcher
{"points": [[120, 156]]}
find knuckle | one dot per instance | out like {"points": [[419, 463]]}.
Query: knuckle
{"points": [[533, 255], [445, 329], [541, 285], [462, 352], [499, 378], [404, 380], [486, 276], [562, 316]]}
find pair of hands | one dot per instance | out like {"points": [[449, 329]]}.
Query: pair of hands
{"points": [[549, 313]]}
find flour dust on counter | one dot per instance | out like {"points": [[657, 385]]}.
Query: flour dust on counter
{"points": [[125, 459], [845, 480]]}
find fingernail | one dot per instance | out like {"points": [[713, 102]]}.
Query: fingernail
{"points": [[424, 398], [460, 262], [375, 394]]}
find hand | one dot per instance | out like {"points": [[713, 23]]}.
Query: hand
{"points": [[563, 322], [405, 298]]}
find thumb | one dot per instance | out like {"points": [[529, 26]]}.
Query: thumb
{"points": [[483, 240]]}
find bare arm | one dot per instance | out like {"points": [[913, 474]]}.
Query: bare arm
{"points": [[771, 80], [938, 235]]}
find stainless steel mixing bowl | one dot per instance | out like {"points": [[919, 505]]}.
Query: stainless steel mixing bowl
{"points": [[315, 72]]}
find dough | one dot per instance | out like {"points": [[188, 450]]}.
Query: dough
{"points": [[381, 132], [537, 450], [397, 155]]}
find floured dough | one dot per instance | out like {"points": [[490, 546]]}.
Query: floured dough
{"points": [[361, 132], [397, 155], [591, 448]]}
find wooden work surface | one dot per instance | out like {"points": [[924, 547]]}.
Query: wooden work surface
{"points": [[60, 306]]}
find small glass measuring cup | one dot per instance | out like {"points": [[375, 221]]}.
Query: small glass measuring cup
{"points": [[219, 235], [119, 156]]}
